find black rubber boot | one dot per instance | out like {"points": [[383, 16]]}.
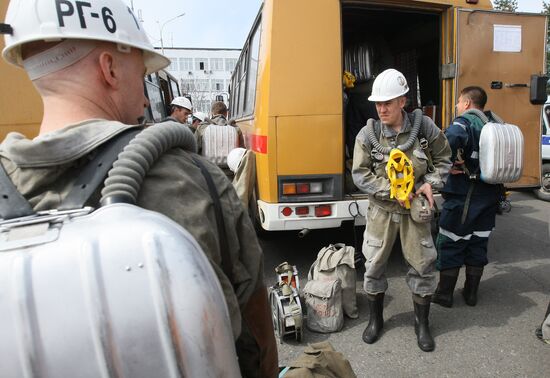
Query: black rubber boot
{"points": [[421, 323], [376, 321], [538, 331], [445, 288], [471, 285]]}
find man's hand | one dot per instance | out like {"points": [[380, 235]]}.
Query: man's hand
{"points": [[402, 203], [426, 189], [457, 168]]}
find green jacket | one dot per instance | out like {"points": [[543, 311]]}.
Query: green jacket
{"points": [[43, 169], [370, 176]]}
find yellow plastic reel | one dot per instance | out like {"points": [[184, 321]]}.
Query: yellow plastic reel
{"points": [[401, 175]]}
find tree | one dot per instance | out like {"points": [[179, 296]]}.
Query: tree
{"points": [[506, 5], [199, 91]]}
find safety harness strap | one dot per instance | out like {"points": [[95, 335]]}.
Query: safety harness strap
{"points": [[220, 223], [12, 203], [95, 171]]}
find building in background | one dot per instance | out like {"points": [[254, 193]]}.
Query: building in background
{"points": [[203, 73]]}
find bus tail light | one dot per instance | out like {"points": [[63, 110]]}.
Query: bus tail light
{"points": [[287, 211], [323, 211], [310, 188], [302, 210], [289, 189], [292, 188], [302, 188], [316, 187]]}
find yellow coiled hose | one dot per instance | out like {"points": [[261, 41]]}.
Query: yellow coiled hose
{"points": [[401, 175]]}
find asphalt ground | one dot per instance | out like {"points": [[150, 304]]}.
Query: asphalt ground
{"points": [[495, 338]]}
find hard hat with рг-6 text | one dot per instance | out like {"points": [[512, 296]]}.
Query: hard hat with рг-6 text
{"points": [[388, 85], [58, 20]]}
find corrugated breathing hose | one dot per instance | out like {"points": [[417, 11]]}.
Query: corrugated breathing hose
{"points": [[373, 138], [124, 179]]}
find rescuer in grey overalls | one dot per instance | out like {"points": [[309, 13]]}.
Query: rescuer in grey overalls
{"points": [[414, 134]]}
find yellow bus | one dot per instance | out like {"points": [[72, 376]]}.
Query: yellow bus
{"points": [[288, 98]]}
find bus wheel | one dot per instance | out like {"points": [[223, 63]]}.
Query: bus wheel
{"points": [[543, 192]]}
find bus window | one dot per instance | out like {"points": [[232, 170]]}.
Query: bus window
{"points": [[242, 82], [157, 112], [235, 94], [175, 88], [252, 73], [165, 91]]}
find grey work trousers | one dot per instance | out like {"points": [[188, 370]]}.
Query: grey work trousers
{"points": [[417, 245]]}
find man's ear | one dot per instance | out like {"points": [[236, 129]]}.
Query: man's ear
{"points": [[106, 66]]}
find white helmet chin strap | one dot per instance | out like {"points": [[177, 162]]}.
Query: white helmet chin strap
{"points": [[58, 57]]}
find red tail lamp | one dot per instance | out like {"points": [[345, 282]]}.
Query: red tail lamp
{"points": [[323, 211], [302, 210], [287, 211]]}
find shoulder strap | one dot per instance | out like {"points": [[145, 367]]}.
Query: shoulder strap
{"points": [[226, 258], [95, 171], [14, 205], [424, 142], [472, 114], [378, 130]]}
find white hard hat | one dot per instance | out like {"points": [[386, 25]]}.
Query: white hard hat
{"points": [[100, 20], [200, 116], [234, 158], [388, 85], [182, 102]]}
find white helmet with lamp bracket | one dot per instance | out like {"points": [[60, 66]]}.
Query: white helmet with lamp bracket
{"points": [[388, 85], [182, 102]]}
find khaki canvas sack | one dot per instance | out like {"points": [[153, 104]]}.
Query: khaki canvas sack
{"points": [[324, 306], [337, 262], [319, 360]]}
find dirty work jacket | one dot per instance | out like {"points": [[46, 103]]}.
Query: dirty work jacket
{"points": [[245, 178], [219, 120], [371, 177], [43, 169]]}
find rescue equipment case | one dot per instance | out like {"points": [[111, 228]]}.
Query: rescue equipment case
{"points": [[84, 298], [500, 153], [218, 141], [117, 292], [286, 307]]}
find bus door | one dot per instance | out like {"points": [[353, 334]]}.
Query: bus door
{"points": [[500, 52]]}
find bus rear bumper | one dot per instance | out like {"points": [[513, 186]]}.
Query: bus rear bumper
{"points": [[278, 217]]}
